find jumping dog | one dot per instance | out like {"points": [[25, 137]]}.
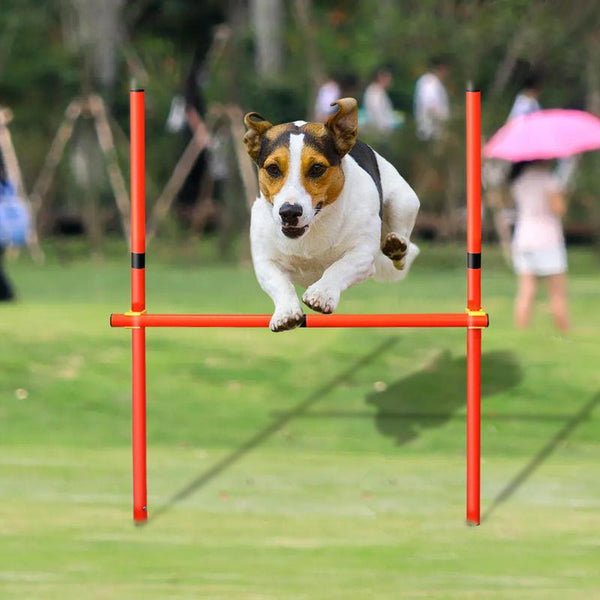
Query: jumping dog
{"points": [[331, 212]]}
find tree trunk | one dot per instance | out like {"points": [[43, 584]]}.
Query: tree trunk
{"points": [[316, 75], [267, 19], [96, 28], [592, 100]]}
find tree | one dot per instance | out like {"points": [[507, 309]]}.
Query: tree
{"points": [[267, 20]]}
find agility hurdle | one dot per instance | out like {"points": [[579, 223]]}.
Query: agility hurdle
{"points": [[474, 319]]}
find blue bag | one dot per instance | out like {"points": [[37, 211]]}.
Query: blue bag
{"points": [[15, 222]]}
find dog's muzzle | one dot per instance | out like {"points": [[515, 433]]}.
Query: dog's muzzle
{"points": [[293, 232], [290, 215]]}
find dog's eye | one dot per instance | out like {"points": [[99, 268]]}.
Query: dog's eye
{"points": [[273, 170], [316, 170]]}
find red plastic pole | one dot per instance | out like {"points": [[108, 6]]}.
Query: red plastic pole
{"points": [[138, 304], [473, 305], [311, 320], [137, 319]]}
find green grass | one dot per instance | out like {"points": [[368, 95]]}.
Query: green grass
{"points": [[317, 464]]}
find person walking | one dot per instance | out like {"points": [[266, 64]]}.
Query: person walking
{"points": [[435, 180], [379, 111], [431, 103], [328, 92], [527, 100], [538, 246]]}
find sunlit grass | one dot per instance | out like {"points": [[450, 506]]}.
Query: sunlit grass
{"points": [[312, 464]]}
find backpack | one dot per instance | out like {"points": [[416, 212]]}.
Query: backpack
{"points": [[15, 221]]}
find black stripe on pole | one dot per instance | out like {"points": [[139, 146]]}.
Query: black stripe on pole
{"points": [[303, 324], [138, 260], [474, 260]]}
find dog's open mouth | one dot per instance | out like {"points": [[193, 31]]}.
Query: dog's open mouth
{"points": [[293, 232]]}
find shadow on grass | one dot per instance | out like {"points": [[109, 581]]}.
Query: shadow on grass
{"points": [[560, 436], [280, 421], [430, 397]]}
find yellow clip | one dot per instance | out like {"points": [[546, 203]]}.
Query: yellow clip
{"points": [[133, 313], [477, 313]]}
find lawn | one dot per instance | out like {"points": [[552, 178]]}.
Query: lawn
{"points": [[316, 464]]}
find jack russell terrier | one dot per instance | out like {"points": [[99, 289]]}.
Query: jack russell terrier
{"points": [[331, 212]]}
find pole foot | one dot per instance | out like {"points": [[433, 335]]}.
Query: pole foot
{"points": [[471, 523], [140, 516]]}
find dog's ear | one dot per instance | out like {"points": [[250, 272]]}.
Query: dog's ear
{"points": [[343, 124], [256, 126]]}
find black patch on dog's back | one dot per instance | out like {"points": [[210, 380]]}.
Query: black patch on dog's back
{"points": [[365, 158]]}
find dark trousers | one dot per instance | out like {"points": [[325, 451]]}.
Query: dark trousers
{"points": [[6, 291]]}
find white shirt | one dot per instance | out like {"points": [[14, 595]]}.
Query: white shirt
{"points": [[523, 105], [432, 107], [537, 225], [379, 109], [329, 92]]}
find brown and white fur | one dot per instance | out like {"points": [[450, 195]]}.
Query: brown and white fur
{"points": [[317, 220]]}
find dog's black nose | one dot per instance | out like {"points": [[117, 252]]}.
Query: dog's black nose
{"points": [[290, 213]]}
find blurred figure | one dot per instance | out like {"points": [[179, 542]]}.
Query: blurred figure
{"points": [[436, 181], [379, 111], [336, 87], [6, 291], [348, 85], [527, 100], [329, 92], [431, 104], [496, 172], [538, 247]]}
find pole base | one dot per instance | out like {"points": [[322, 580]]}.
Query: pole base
{"points": [[140, 516], [471, 523]]}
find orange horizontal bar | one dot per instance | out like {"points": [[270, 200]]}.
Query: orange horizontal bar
{"points": [[312, 320]]}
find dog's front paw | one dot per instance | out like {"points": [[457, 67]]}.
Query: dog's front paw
{"points": [[287, 318], [321, 299], [395, 248]]}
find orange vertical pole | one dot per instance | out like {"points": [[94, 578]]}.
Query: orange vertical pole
{"points": [[473, 305], [138, 303]]}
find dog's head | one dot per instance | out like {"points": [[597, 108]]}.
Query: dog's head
{"points": [[299, 164]]}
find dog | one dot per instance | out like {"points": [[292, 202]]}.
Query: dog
{"points": [[331, 212]]}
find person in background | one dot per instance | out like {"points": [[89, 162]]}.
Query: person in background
{"points": [[538, 247], [329, 92], [436, 181], [378, 107], [348, 85], [431, 104], [6, 290], [336, 87], [527, 100]]}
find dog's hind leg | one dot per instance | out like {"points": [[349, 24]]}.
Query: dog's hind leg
{"points": [[400, 208]]}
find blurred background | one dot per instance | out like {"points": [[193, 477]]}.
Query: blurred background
{"points": [[203, 64], [315, 464]]}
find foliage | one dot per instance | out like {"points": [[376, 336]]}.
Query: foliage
{"points": [[490, 43]]}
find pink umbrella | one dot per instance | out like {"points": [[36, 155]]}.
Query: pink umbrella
{"points": [[545, 134]]}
